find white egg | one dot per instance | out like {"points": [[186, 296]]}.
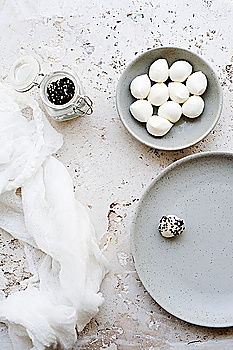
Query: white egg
{"points": [[158, 71], [158, 94], [142, 110], [158, 126], [197, 83], [180, 70], [171, 111], [178, 92], [140, 86], [193, 107]]}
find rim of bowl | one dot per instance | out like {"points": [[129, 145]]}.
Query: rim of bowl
{"points": [[174, 148]]}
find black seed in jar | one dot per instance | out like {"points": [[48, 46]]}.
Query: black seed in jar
{"points": [[60, 91]]}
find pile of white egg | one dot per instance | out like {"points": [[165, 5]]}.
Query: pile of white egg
{"points": [[180, 96]]}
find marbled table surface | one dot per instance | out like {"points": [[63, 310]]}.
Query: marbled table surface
{"points": [[110, 169]]}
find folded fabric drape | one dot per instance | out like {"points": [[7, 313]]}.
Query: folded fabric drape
{"points": [[59, 239]]}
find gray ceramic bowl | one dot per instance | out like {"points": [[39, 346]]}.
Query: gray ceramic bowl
{"points": [[187, 131]]}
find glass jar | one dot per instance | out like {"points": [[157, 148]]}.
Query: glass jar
{"points": [[26, 74]]}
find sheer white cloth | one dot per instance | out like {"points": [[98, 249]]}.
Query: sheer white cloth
{"points": [[59, 239]]}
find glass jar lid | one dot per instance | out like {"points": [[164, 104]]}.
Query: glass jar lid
{"points": [[24, 73]]}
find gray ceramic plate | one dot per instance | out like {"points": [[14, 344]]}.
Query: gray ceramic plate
{"points": [[186, 132], [190, 276]]}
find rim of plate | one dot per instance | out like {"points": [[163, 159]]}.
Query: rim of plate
{"points": [[132, 231]]}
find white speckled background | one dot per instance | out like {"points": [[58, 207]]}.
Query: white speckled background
{"points": [[109, 168]]}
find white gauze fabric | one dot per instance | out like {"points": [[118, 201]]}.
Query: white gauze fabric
{"points": [[59, 239]]}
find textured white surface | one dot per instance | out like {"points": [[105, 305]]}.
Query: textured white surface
{"points": [[110, 169]]}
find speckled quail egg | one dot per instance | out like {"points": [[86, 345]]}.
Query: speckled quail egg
{"points": [[171, 226]]}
